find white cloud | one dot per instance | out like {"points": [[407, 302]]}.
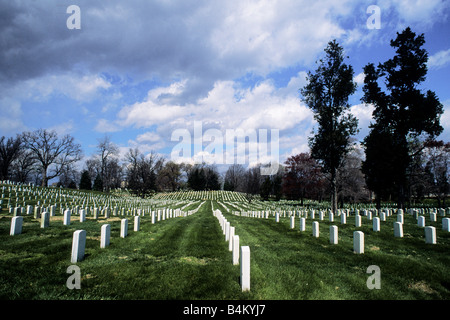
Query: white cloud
{"points": [[439, 59]]}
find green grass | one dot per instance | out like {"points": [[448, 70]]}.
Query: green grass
{"points": [[187, 258]]}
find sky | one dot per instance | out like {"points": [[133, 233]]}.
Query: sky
{"points": [[167, 75]]}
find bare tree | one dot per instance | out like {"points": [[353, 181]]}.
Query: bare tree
{"points": [[107, 150], [9, 151], [234, 178], [51, 152]]}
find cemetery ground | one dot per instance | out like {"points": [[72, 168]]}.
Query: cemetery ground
{"points": [[187, 257]]}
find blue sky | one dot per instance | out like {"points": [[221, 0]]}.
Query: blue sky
{"points": [[140, 70]]}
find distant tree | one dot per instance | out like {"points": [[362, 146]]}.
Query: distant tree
{"points": [[85, 181], [303, 177], [266, 188], [327, 94], [437, 160], [233, 180], [169, 176], [142, 172], [51, 152], [252, 183], [9, 151], [107, 153], [98, 183], [401, 112]]}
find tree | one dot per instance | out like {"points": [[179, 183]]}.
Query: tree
{"points": [[252, 182], [98, 183], [142, 172], [327, 94], [85, 181], [169, 176], [302, 178], [233, 178], [107, 150], [9, 151], [437, 161], [401, 112], [52, 153]]}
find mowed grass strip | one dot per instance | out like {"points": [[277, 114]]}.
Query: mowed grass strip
{"points": [[178, 258], [289, 264]]}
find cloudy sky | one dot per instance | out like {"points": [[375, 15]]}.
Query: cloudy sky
{"points": [[141, 71]]}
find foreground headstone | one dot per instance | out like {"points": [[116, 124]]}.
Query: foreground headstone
{"points": [[78, 246], [358, 242], [315, 229], [123, 228], [45, 219], [333, 234], [245, 268], [105, 235], [302, 224], [430, 235], [16, 225], [433, 216], [292, 222], [343, 218], [398, 229]]}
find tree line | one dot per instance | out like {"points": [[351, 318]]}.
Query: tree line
{"points": [[400, 159]]}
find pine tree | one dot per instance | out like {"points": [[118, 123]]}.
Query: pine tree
{"points": [[400, 113], [327, 94]]}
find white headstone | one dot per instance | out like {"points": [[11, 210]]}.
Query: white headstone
{"points": [[236, 250], [398, 229], [123, 228], [82, 215], [433, 216], [400, 218], [376, 224], [446, 224], [292, 222], [277, 217], [358, 242], [16, 225], [302, 224], [430, 235], [230, 242], [67, 214], [343, 218], [333, 234], [78, 245], [245, 268], [357, 221], [331, 216], [137, 223], [45, 219], [105, 235], [227, 231], [421, 221], [315, 227]]}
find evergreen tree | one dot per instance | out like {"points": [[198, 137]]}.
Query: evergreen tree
{"points": [[327, 94], [98, 183], [85, 181], [400, 113]]}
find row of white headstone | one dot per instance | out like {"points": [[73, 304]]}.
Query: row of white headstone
{"points": [[240, 254], [79, 236]]}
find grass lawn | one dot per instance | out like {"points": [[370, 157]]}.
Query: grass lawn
{"points": [[187, 258]]}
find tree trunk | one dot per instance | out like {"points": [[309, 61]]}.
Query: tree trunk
{"points": [[333, 192]]}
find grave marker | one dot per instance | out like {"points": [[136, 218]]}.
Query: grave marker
{"points": [[333, 234], [123, 228], [105, 235], [358, 242], [315, 227], [398, 229], [430, 235], [245, 268], [78, 245], [16, 225]]}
